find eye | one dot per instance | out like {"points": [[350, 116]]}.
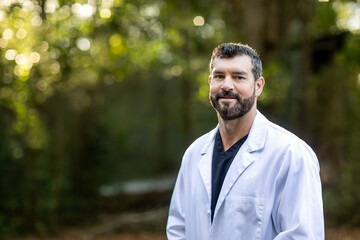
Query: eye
{"points": [[218, 76], [239, 77]]}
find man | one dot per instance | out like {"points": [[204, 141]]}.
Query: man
{"points": [[248, 178]]}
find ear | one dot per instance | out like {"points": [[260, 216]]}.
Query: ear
{"points": [[209, 80], [259, 85]]}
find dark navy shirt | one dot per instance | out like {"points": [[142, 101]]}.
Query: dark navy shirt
{"points": [[221, 162]]}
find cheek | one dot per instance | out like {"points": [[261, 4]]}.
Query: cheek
{"points": [[214, 87], [245, 89]]}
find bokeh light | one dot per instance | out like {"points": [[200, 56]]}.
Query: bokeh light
{"points": [[116, 43], [21, 33], [348, 15], [22, 71], [105, 13], [51, 6], [198, 21], [83, 44], [20, 59], [10, 54], [41, 85], [6, 3], [150, 11], [43, 46], [83, 10], [2, 14], [36, 21], [176, 70], [28, 6], [115, 40], [34, 57], [7, 34], [55, 67]]}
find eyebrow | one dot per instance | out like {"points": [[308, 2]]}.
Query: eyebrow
{"points": [[234, 72], [240, 73]]}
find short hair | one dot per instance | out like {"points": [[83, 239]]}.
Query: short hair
{"points": [[230, 50]]}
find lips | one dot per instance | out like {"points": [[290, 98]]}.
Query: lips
{"points": [[226, 95]]}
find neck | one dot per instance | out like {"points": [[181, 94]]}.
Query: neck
{"points": [[232, 131]]}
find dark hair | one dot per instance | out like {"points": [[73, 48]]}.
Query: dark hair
{"points": [[230, 50]]}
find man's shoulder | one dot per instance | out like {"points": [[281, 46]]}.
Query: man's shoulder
{"points": [[285, 139], [275, 134], [283, 133]]}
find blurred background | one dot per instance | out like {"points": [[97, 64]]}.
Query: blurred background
{"points": [[100, 98]]}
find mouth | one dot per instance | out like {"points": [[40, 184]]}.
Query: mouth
{"points": [[228, 97], [227, 100]]}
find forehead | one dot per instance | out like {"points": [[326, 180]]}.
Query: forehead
{"points": [[242, 63]]}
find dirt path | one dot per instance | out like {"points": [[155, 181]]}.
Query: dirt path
{"points": [[331, 234], [342, 234], [150, 225]]}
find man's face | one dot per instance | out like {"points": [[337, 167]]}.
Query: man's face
{"points": [[232, 87]]}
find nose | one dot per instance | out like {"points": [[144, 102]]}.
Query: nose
{"points": [[227, 84]]}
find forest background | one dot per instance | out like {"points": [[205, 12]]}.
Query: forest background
{"points": [[94, 94]]}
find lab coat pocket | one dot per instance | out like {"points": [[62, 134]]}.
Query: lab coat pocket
{"points": [[244, 217]]}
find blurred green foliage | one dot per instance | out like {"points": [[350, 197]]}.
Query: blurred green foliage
{"points": [[96, 92]]}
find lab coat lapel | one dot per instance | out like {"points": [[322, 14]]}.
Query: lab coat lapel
{"points": [[244, 158], [205, 161]]}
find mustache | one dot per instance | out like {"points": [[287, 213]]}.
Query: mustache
{"points": [[229, 94]]}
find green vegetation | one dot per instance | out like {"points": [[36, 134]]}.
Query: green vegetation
{"points": [[97, 92]]}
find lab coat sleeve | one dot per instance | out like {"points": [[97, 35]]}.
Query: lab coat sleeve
{"points": [[176, 221], [298, 213]]}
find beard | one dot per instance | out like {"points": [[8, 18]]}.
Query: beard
{"points": [[228, 112]]}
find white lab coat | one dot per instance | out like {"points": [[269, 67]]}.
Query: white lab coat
{"points": [[272, 190]]}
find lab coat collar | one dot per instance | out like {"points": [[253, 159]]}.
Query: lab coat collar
{"points": [[205, 161], [210, 141], [258, 132], [256, 138]]}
